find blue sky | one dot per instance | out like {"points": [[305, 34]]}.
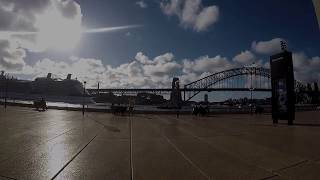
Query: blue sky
{"points": [[190, 40], [240, 23]]}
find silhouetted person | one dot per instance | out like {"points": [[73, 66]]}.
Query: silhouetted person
{"points": [[113, 110], [259, 110], [131, 107], [43, 104], [178, 112], [202, 110], [40, 104], [207, 109], [195, 110]]}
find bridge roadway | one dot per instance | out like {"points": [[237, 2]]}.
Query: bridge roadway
{"points": [[168, 90]]}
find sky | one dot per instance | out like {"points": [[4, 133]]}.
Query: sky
{"points": [[145, 43]]}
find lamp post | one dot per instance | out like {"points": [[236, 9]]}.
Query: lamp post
{"points": [[251, 89], [84, 91], [6, 93], [98, 88]]}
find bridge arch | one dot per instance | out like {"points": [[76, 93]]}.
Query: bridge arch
{"points": [[211, 80]]}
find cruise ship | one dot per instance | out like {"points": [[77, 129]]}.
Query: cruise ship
{"points": [[51, 89]]}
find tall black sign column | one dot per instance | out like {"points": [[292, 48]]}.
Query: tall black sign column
{"points": [[282, 82]]}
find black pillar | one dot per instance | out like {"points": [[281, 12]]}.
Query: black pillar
{"points": [[282, 82]]}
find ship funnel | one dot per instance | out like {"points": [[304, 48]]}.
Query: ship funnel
{"points": [[69, 77], [49, 75]]}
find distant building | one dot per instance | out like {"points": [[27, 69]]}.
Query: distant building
{"points": [[140, 99], [12, 84]]}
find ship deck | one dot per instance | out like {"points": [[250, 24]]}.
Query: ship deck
{"points": [[59, 144]]}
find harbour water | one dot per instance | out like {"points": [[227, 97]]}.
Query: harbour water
{"points": [[139, 108], [92, 106]]}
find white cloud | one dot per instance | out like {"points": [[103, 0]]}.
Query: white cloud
{"points": [[19, 15], [160, 66], [11, 56], [143, 59], [90, 70], [31, 16], [306, 69], [68, 8], [167, 57], [206, 64], [188, 78], [173, 7], [54, 20], [207, 17], [161, 69], [245, 58], [191, 13], [141, 4], [267, 47], [140, 72], [143, 72], [156, 72]]}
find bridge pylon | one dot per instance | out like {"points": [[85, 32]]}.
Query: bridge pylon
{"points": [[175, 96]]}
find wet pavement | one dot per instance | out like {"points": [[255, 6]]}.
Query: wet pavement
{"points": [[60, 144]]}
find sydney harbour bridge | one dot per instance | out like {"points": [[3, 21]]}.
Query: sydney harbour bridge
{"points": [[237, 79]]}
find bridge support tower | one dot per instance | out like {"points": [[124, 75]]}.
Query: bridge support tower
{"points": [[175, 96]]}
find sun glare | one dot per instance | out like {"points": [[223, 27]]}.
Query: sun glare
{"points": [[57, 32]]}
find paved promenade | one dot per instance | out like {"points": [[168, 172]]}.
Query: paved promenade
{"points": [[60, 144]]}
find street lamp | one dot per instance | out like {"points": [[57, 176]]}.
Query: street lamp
{"points": [[6, 93], [251, 89], [83, 94]]}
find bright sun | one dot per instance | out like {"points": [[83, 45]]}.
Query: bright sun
{"points": [[57, 32]]}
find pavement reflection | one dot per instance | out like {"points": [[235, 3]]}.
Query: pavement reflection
{"points": [[65, 145]]}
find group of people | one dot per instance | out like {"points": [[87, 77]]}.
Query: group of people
{"points": [[40, 104], [200, 110], [121, 109], [259, 109]]}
